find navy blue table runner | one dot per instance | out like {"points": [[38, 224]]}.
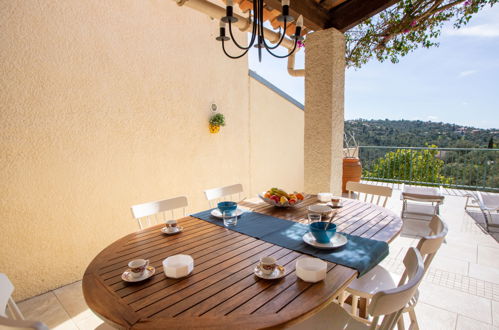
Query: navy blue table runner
{"points": [[359, 253]]}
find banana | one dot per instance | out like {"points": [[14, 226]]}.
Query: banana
{"points": [[280, 192]]}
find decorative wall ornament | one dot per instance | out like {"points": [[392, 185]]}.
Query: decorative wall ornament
{"points": [[216, 121]]}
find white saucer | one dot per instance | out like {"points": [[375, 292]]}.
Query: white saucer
{"points": [[164, 231], [217, 214], [127, 275], [336, 241], [339, 206], [279, 272]]}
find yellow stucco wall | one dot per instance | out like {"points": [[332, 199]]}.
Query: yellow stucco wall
{"points": [[277, 128], [104, 104]]}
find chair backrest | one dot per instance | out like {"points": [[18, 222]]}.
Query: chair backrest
{"points": [[489, 202], [429, 245], [215, 194], [6, 289], [369, 190], [16, 318], [390, 303], [148, 214]]}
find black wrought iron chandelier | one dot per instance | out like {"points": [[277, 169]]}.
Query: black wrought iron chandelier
{"points": [[257, 33]]}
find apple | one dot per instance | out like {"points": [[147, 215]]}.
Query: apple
{"points": [[275, 198]]}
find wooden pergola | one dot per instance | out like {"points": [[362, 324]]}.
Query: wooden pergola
{"points": [[322, 14]]}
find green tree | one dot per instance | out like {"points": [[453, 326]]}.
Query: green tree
{"points": [[406, 26], [491, 143], [409, 165]]}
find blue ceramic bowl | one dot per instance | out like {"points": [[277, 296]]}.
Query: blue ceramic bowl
{"points": [[321, 235], [227, 207]]}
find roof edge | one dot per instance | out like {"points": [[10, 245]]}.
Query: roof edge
{"points": [[273, 87]]}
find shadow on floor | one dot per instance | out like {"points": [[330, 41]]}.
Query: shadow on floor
{"points": [[480, 222]]}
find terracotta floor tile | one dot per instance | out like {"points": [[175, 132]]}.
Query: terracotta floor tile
{"points": [[465, 323], [47, 309], [495, 313], [458, 252], [93, 322], [488, 256], [71, 299], [447, 263], [485, 273], [431, 317], [474, 307]]}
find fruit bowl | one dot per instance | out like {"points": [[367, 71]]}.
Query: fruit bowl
{"points": [[279, 198]]}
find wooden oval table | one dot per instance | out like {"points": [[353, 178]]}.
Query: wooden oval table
{"points": [[222, 291]]}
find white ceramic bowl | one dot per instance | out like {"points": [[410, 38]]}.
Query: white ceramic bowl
{"points": [[324, 210], [324, 197], [177, 266], [311, 269]]}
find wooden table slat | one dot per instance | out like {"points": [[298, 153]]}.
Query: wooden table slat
{"points": [[204, 269], [201, 254], [205, 239], [204, 231], [247, 287], [226, 286], [189, 226], [157, 301]]}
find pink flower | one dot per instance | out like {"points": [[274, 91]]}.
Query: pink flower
{"points": [[414, 23], [300, 44], [468, 3], [407, 31]]}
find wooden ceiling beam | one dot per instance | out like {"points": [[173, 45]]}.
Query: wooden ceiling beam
{"points": [[315, 17], [352, 12]]}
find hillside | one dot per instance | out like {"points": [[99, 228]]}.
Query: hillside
{"points": [[416, 133]]}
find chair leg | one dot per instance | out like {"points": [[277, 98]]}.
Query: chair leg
{"points": [[400, 323], [466, 204], [355, 301], [486, 219], [414, 321], [342, 298], [14, 310], [363, 308]]}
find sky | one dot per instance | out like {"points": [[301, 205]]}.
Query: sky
{"points": [[457, 82]]}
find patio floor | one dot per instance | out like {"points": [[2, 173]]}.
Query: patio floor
{"points": [[460, 290]]}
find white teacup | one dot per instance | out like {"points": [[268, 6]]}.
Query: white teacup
{"points": [[171, 226], [138, 266], [267, 265], [336, 201]]}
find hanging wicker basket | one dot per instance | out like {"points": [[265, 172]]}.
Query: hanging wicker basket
{"points": [[216, 121], [214, 128]]}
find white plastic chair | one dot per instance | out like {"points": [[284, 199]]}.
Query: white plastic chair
{"points": [[215, 194], [488, 204], [387, 303], [379, 278], [10, 315], [415, 202], [154, 212], [369, 190]]}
